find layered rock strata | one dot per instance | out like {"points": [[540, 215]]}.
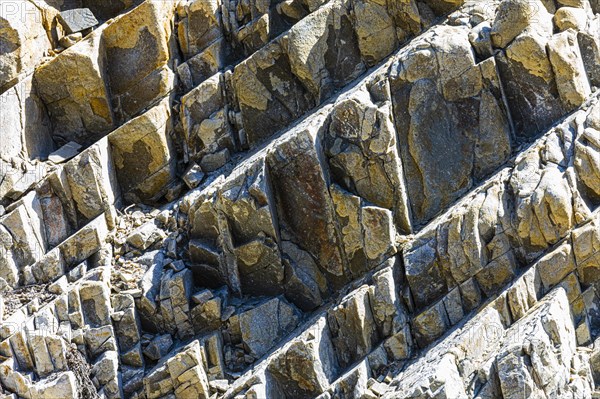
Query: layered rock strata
{"points": [[300, 199]]}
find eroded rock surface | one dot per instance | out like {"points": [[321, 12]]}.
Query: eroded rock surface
{"points": [[299, 199]]}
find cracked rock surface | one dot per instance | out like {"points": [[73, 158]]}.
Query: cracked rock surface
{"points": [[299, 199]]}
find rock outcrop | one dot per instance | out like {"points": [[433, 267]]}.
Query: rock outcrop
{"points": [[299, 199]]}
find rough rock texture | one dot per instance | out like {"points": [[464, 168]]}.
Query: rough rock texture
{"points": [[300, 199], [24, 40]]}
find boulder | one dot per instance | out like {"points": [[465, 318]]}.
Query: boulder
{"points": [[95, 303], [439, 74], [25, 225], [305, 284], [200, 25], [146, 235], [63, 385], [77, 20], [567, 64], [106, 373], [515, 16], [205, 123], [431, 324], [99, 340], [308, 43], [175, 293], [50, 267], [304, 207], [589, 46], [368, 232], [26, 129], [127, 327], [138, 50], [570, 18], [375, 28], [72, 86], [353, 329], [586, 242], [543, 196], [305, 367], [92, 181], [83, 244], [24, 40], [266, 104], [159, 347], [362, 154], [182, 374], [262, 327], [555, 266], [530, 84], [193, 176]]}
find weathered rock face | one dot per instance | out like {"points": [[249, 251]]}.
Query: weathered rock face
{"points": [[249, 199], [24, 40], [74, 90], [25, 125], [296, 71], [138, 49], [146, 138], [471, 134]]}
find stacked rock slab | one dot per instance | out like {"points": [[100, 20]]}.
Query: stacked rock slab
{"points": [[301, 199], [296, 71]]}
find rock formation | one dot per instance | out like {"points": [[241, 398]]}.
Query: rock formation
{"points": [[299, 199]]}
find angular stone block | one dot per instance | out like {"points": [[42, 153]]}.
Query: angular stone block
{"points": [[72, 86], [471, 133], [138, 45], [141, 150], [77, 20]]}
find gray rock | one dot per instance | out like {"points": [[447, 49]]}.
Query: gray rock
{"points": [[183, 373], [353, 329], [106, 372], [79, 113], [514, 16], [138, 57], [193, 176], [439, 167], [306, 285], [262, 327], [92, 181], [146, 139], [25, 46], [174, 296], [95, 303], [145, 235], [49, 268], [60, 286], [306, 220], [202, 296], [100, 340], [589, 45], [208, 315], [65, 152], [527, 70], [77, 20], [567, 63], [307, 365], [363, 156], [212, 162], [159, 347], [260, 268]]}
